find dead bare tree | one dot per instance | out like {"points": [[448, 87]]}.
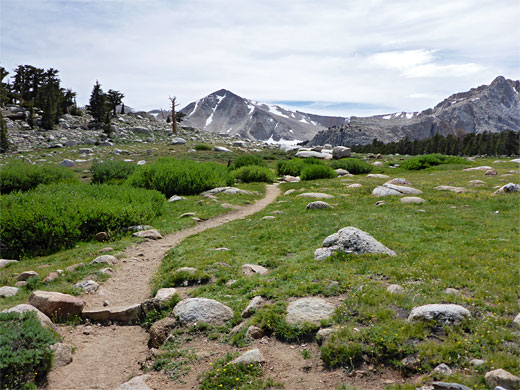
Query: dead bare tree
{"points": [[174, 119]]}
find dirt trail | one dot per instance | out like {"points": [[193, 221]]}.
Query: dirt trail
{"points": [[107, 356]]}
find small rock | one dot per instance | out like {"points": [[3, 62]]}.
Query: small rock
{"points": [[341, 172], [160, 330], [221, 149], [340, 152], [444, 314], [189, 270], [7, 291], [392, 190], [67, 163], [150, 234], [482, 168], [477, 362], [106, 271], [5, 262], [62, 354], [175, 198], [73, 267], [22, 308], [316, 195], [193, 310], [88, 286], [395, 289], [51, 277], [251, 308], [510, 187], [268, 218], [318, 205], [104, 259], [400, 181], [502, 378], [137, 383], [289, 192], [380, 203], [412, 200], [123, 314], [490, 172], [516, 321], [448, 386], [21, 283], [254, 332], [324, 335], [178, 141], [101, 236], [24, 276], [251, 269], [443, 369], [311, 310], [457, 190], [252, 356], [55, 304], [163, 295], [185, 215], [378, 176], [354, 185]]}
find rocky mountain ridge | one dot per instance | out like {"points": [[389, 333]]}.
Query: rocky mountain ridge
{"points": [[224, 112], [488, 108]]}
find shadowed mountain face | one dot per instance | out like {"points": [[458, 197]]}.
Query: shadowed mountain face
{"points": [[492, 108], [224, 112]]}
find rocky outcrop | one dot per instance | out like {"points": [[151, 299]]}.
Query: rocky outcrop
{"points": [[492, 108]]}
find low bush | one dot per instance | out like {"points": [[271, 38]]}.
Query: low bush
{"points": [[313, 172], [253, 173], [19, 176], [203, 147], [111, 172], [352, 165], [247, 160], [180, 177], [24, 350], [430, 160], [56, 216], [293, 167]]}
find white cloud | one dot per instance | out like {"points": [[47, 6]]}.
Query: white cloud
{"points": [[375, 52]]}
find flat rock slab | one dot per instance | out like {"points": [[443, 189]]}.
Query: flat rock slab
{"points": [[226, 190], [24, 307], [87, 286], [355, 185], [311, 310], [392, 189], [318, 205], [249, 357], [151, 234], [351, 240], [481, 168], [510, 187], [251, 269], [136, 383], [316, 195], [412, 200], [457, 190], [5, 262], [122, 314], [444, 314], [55, 304], [8, 291], [104, 259], [310, 153], [448, 386], [193, 310], [175, 198], [400, 181], [378, 176]]}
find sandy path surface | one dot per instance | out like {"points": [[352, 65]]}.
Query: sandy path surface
{"points": [[107, 356]]}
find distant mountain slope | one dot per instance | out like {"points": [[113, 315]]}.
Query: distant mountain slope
{"points": [[227, 113], [492, 108]]}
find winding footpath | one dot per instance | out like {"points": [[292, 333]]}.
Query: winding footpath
{"points": [[107, 356]]}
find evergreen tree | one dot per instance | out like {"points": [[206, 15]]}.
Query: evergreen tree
{"points": [[114, 99], [123, 108], [4, 87], [97, 104], [4, 143], [49, 97]]}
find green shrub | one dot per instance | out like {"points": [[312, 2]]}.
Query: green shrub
{"points": [[253, 173], [247, 160], [352, 165], [23, 177], [25, 356], [180, 177], [293, 167], [430, 160], [313, 172], [111, 172], [203, 147], [56, 216]]}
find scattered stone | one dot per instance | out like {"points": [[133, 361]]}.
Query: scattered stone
{"points": [[510, 187], [482, 168], [311, 154], [24, 276], [51, 277], [5, 262], [452, 291], [324, 335], [318, 205], [55, 304], [516, 160], [21, 283], [254, 332], [163, 295], [395, 289], [186, 215], [377, 164], [104, 259], [151, 234], [392, 189], [88, 286], [252, 356], [311, 310], [106, 271], [399, 181], [443, 369], [490, 172], [73, 267], [378, 176], [410, 362], [351, 240], [160, 330], [189, 270], [101, 236], [8, 291], [291, 179], [477, 182], [106, 249], [221, 249], [62, 354], [457, 190], [141, 162], [251, 308], [340, 152], [221, 149], [268, 217], [67, 163], [289, 192], [251, 269], [137, 383], [193, 310], [448, 386], [22, 308], [380, 203], [175, 198], [226, 190], [354, 185], [178, 141], [444, 314], [342, 172], [477, 362], [516, 321], [502, 378], [316, 195], [412, 200], [123, 314]]}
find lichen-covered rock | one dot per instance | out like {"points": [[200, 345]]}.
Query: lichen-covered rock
{"points": [[318, 205], [311, 310], [443, 314], [252, 356], [193, 310], [502, 378]]}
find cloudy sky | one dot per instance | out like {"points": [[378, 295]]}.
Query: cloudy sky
{"points": [[342, 57]]}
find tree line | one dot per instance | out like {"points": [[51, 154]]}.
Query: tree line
{"points": [[504, 143]]}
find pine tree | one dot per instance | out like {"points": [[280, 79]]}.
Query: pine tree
{"points": [[97, 104], [4, 143], [114, 99]]}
